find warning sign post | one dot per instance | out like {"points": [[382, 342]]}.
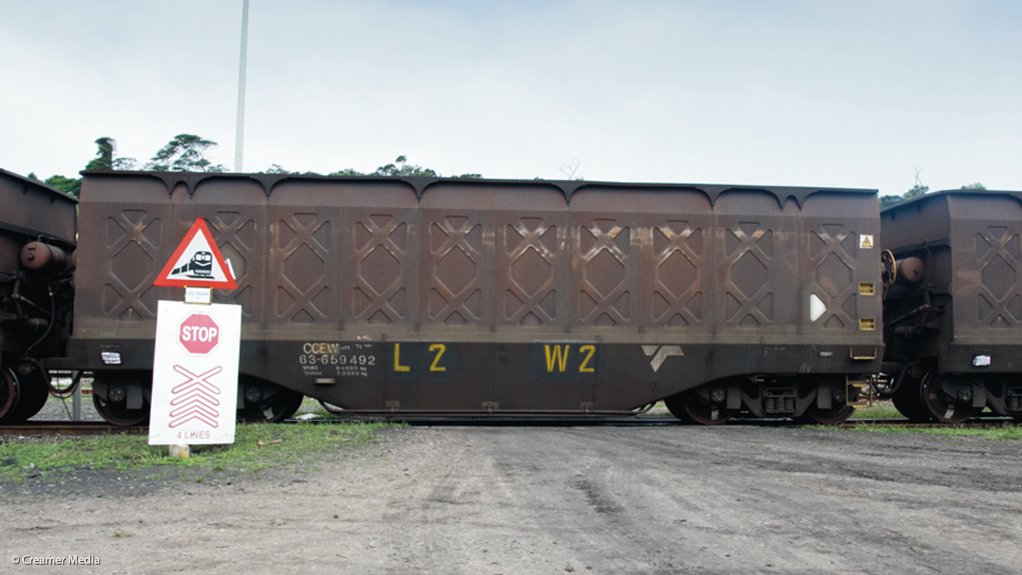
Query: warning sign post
{"points": [[195, 374], [195, 363]]}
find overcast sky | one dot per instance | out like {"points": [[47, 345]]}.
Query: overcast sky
{"points": [[817, 92]]}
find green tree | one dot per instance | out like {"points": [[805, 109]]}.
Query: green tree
{"points": [[974, 186], [401, 167], [346, 172], [70, 186], [184, 153], [104, 159], [277, 169], [916, 191], [398, 168], [888, 201], [106, 150]]}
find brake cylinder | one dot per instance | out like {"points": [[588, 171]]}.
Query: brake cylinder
{"points": [[44, 258], [910, 271]]}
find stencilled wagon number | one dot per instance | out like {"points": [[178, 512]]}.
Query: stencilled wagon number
{"points": [[324, 358], [357, 360]]}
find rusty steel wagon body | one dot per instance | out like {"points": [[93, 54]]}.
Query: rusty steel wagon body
{"points": [[954, 329], [37, 236], [403, 296]]}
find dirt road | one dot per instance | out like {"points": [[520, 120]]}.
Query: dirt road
{"points": [[561, 500]]}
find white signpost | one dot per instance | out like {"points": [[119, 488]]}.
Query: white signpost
{"points": [[195, 363], [195, 374]]}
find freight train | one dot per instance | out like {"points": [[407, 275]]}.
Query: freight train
{"points": [[404, 296], [37, 236]]}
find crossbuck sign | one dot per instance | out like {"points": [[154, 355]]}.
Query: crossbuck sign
{"points": [[195, 374]]}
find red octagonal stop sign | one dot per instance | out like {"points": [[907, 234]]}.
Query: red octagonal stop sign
{"points": [[199, 334]]}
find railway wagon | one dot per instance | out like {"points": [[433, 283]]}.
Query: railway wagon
{"points": [[954, 330], [404, 296], [37, 236]]}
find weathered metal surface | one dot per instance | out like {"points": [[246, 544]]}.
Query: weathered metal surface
{"points": [[31, 211], [34, 210], [491, 295], [35, 289], [971, 246]]}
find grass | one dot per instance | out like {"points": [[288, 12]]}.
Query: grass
{"points": [[1006, 431], [881, 410], [257, 447], [886, 410]]}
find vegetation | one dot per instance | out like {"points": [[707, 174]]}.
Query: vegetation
{"points": [[187, 153], [883, 410], [999, 432], [257, 447], [184, 153], [919, 189]]}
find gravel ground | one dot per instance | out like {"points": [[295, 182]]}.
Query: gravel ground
{"points": [[57, 409], [509, 500]]}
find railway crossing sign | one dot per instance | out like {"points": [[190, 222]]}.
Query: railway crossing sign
{"points": [[197, 262], [195, 374]]}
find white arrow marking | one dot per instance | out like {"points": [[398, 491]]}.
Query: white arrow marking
{"points": [[816, 307]]}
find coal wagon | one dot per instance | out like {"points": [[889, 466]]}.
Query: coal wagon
{"points": [[405, 296]]}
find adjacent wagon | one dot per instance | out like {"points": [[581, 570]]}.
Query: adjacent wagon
{"points": [[954, 330]]}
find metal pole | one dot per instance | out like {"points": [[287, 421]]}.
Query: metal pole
{"points": [[76, 399], [239, 139]]}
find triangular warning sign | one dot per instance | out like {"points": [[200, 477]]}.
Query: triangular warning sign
{"points": [[197, 262]]}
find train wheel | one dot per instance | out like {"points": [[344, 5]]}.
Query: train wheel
{"points": [[33, 391], [694, 408], [8, 391], [831, 416], [264, 402], [941, 406], [907, 398], [121, 398]]}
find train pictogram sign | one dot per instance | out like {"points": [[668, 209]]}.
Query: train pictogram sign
{"points": [[197, 262]]}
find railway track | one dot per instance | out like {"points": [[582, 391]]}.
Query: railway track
{"points": [[46, 428], [82, 428], [628, 421]]}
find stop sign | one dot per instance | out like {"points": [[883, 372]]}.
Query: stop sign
{"points": [[199, 334]]}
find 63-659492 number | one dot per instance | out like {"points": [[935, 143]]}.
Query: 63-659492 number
{"points": [[331, 358], [337, 359]]}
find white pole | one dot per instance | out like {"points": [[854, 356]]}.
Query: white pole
{"points": [[239, 139]]}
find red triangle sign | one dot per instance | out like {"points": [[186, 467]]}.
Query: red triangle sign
{"points": [[197, 262]]}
